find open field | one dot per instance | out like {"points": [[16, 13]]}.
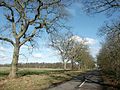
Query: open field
{"points": [[34, 78]]}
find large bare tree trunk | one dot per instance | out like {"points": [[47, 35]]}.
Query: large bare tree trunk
{"points": [[14, 68]]}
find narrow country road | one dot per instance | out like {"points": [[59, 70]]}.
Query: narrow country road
{"points": [[88, 81]]}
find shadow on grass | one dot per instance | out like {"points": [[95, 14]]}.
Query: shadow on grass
{"points": [[2, 74], [38, 72], [32, 72]]}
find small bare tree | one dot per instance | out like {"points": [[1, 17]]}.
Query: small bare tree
{"points": [[25, 19]]}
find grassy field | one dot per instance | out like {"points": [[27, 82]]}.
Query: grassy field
{"points": [[34, 78]]}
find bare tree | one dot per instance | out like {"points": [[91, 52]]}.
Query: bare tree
{"points": [[63, 45], [111, 30], [98, 6], [25, 19]]}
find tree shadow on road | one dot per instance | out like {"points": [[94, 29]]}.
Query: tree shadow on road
{"points": [[95, 73], [100, 81]]}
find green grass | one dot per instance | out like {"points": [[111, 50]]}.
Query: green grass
{"points": [[38, 72], [4, 71]]}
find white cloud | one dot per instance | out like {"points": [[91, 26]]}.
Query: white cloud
{"points": [[76, 38], [3, 49], [94, 50], [37, 55], [4, 58], [43, 48], [44, 55], [26, 47], [5, 54], [90, 41], [93, 44], [2, 55], [87, 41]]}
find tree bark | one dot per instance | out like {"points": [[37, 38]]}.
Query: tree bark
{"points": [[79, 66], [64, 65], [72, 66], [14, 68]]}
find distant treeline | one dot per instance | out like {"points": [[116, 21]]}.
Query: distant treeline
{"points": [[39, 65]]}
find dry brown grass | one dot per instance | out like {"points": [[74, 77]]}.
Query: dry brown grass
{"points": [[37, 81]]}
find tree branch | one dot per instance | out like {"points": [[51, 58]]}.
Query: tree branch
{"points": [[49, 4], [29, 37], [7, 40], [11, 19], [38, 12], [24, 28], [3, 4]]}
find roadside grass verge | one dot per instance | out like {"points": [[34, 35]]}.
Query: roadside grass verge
{"points": [[35, 78]]}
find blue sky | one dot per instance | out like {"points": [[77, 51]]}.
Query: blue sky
{"points": [[82, 26]]}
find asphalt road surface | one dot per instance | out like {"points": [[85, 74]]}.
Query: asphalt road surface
{"points": [[88, 81]]}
